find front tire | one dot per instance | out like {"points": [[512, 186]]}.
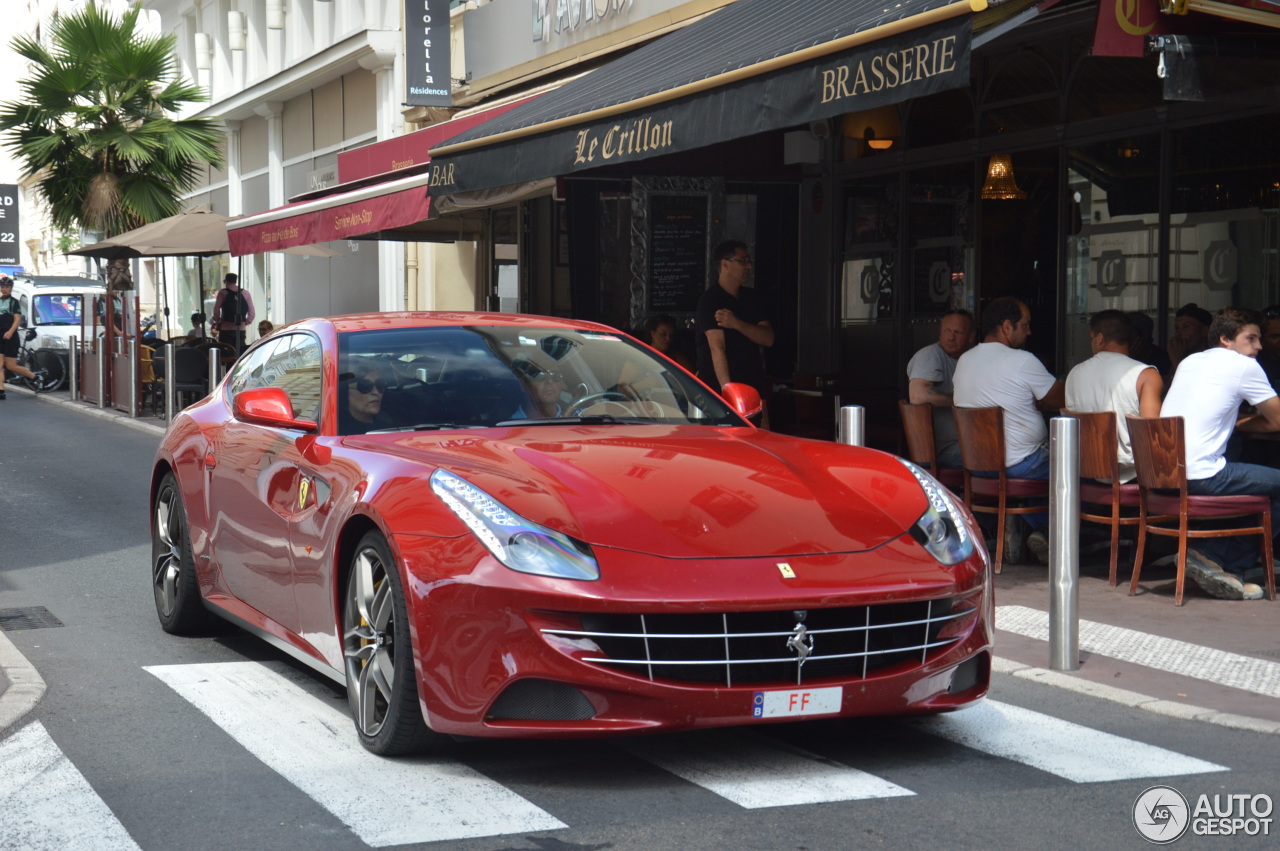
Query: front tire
{"points": [[381, 681], [173, 572]]}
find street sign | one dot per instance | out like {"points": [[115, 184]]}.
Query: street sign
{"points": [[10, 237]]}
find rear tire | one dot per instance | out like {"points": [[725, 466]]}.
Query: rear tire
{"points": [[382, 685]]}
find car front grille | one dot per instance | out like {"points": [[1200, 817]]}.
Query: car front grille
{"points": [[743, 648]]}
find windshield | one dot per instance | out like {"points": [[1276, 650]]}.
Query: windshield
{"points": [[56, 309], [484, 376]]}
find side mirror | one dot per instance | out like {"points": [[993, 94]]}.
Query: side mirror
{"points": [[743, 398], [268, 406]]}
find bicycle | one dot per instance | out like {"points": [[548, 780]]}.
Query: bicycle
{"points": [[46, 365]]}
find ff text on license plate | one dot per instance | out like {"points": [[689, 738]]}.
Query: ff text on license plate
{"points": [[801, 701]]}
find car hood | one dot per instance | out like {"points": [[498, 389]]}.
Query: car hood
{"points": [[679, 492]]}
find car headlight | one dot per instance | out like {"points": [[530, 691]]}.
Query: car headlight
{"points": [[520, 544], [941, 529]]}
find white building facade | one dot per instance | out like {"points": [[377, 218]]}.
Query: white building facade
{"points": [[296, 83]]}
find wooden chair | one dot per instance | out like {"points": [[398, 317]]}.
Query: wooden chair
{"points": [[1099, 459], [917, 425], [981, 433], [1160, 455], [149, 382]]}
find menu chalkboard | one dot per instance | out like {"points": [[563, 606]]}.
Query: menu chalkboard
{"points": [[678, 252]]}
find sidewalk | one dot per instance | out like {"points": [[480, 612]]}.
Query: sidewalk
{"points": [[1213, 660]]}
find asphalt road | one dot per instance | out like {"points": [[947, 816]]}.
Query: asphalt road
{"points": [[175, 749]]}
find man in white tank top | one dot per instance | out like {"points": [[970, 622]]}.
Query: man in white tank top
{"points": [[1113, 381]]}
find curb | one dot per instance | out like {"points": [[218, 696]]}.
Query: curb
{"points": [[26, 686], [101, 413], [1168, 708]]}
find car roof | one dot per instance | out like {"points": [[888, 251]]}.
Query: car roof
{"points": [[443, 319], [59, 282]]}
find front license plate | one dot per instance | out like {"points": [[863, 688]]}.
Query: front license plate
{"points": [[801, 701]]}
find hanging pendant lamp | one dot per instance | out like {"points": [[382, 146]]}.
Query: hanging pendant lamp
{"points": [[1001, 185]]}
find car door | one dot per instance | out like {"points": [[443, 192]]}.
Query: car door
{"points": [[261, 483]]}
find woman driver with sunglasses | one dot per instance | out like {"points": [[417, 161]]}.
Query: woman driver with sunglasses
{"points": [[363, 409]]}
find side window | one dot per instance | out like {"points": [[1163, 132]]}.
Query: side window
{"points": [[290, 362], [248, 372], [294, 364]]}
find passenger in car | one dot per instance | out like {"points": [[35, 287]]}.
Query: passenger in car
{"points": [[545, 388]]}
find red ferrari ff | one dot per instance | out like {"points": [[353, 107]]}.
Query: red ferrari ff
{"points": [[497, 525]]}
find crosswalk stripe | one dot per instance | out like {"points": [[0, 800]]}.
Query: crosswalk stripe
{"points": [[1260, 676], [1059, 747], [47, 803], [755, 773], [314, 747]]}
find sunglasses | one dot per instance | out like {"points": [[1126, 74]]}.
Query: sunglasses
{"points": [[547, 378], [364, 385]]}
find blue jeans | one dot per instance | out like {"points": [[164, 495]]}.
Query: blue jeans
{"points": [[1237, 554], [949, 456], [1034, 466]]}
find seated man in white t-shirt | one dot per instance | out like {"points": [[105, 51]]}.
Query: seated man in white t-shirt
{"points": [[1207, 392], [1113, 381], [929, 380], [998, 373]]}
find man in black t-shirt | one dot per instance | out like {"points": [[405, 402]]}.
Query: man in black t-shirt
{"points": [[731, 324]]}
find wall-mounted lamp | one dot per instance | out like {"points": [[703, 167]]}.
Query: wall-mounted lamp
{"points": [[869, 136], [1000, 184], [204, 52], [235, 30]]}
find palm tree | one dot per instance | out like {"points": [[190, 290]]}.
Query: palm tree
{"points": [[96, 123]]}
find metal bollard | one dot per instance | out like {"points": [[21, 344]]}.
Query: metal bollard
{"points": [[101, 357], [73, 368], [135, 408], [852, 426], [169, 371], [215, 367], [1064, 544]]}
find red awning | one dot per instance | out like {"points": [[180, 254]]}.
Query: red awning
{"points": [[384, 207], [379, 206]]}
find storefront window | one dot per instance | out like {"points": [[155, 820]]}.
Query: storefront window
{"points": [[1023, 95], [870, 276], [1225, 226], [1112, 235]]}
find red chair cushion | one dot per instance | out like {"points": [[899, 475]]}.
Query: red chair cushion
{"points": [[1015, 487], [951, 477], [1209, 506], [1091, 491]]}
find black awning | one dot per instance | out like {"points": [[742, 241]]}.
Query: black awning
{"points": [[751, 67]]}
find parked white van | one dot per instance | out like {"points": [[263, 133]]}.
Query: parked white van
{"points": [[53, 306]]}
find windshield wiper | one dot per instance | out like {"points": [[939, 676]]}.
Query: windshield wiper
{"points": [[592, 419], [418, 427]]}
